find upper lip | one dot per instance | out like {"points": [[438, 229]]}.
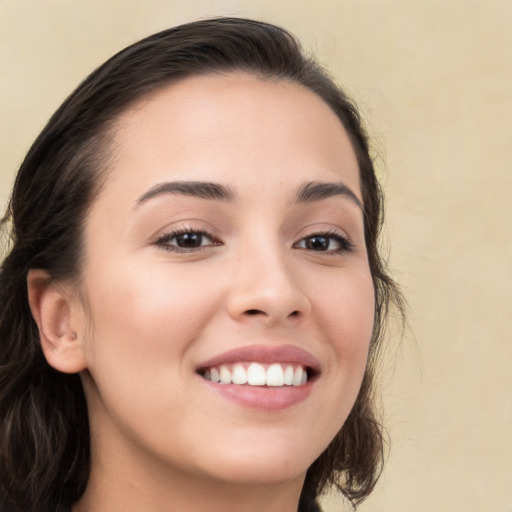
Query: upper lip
{"points": [[264, 354]]}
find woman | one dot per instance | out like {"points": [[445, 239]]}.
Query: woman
{"points": [[193, 301]]}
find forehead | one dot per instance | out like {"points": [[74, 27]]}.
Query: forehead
{"points": [[233, 128]]}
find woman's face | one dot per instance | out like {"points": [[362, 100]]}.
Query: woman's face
{"points": [[227, 242]]}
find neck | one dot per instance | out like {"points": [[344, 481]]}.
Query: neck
{"points": [[125, 483], [119, 495]]}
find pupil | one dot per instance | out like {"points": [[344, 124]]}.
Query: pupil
{"points": [[318, 243], [189, 240]]}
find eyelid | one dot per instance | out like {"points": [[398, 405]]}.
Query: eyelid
{"points": [[346, 244], [165, 236], [162, 240]]}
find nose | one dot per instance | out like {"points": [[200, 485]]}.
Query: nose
{"points": [[266, 288]]}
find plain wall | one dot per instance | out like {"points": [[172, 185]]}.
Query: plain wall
{"points": [[434, 80]]}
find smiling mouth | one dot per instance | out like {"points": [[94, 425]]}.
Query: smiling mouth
{"points": [[256, 374]]}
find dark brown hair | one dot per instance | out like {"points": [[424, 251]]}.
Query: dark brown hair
{"points": [[44, 430]]}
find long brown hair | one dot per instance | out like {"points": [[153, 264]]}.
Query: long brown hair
{"points": [[44, 429]]}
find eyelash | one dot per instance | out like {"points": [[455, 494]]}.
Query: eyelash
{"points": [[164, 240], [344, 242]]}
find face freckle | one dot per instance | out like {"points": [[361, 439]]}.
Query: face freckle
{"points": [[222, 263]]}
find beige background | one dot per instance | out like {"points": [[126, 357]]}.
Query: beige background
{"points": [[435, 82]]}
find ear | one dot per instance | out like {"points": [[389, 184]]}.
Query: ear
{"points": [[60, 322]]}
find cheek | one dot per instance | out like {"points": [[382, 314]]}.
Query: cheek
{"points": [[145, 319], [344, 313], [147, 298], [348, 309], [144, 324], [347, 317]]}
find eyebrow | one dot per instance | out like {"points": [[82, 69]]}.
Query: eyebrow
{"points": [[306, 193], [200, 189], [317, 190]]}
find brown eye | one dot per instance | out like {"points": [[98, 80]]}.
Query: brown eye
{"points": [[325, 242], [317, 243], [189, 240], [186, 240]]}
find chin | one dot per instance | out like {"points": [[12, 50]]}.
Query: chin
{"points": [[276, 472], [267, 462]]}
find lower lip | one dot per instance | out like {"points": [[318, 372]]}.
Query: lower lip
{"points": [[263, 397]]}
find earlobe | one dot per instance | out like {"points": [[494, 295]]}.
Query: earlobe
{"points": [[52, 307]]}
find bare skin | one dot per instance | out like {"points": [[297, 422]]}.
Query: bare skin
{"points": [[176, 276]]}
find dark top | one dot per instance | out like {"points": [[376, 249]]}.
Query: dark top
{"points": [[304, 506]]}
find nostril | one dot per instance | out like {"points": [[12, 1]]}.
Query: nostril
{"points": [[254, 312]]}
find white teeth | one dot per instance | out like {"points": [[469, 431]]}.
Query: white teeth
{"points": [[288, 376], [256, 375], [276, 375], [225, 375], [239, 374], [214, 375], [298, 376]]}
